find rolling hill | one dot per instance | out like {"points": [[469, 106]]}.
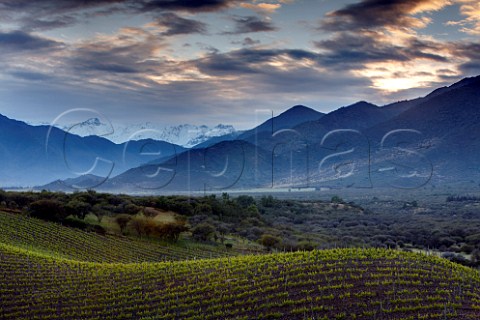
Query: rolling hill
{"points": [[331, 284]]}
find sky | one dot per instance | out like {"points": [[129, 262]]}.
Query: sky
{"points": [[226, 61]]}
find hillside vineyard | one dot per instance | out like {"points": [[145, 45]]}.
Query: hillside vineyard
{"points": [[330, 284]]}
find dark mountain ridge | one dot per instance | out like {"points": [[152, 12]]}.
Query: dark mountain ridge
{"points": [[401, 145]]}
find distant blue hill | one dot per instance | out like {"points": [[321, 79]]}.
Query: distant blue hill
{"points": [[28, 158]]}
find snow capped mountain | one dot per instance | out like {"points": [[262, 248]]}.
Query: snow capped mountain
{"points": [[185, 135]]}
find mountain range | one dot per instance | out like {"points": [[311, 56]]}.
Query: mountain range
{"points": [[185, 135], [408, 144], [34, 155], [432, 140]]}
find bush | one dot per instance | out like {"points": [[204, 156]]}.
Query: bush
{"points": [[203, 231], [269, 240], [122, 220], [245, 201], [150, 212], [78, 208], [267, 201], [171, 231], [305, 246], [75, 223], [99, 229], [140, 225], [50, 210]]}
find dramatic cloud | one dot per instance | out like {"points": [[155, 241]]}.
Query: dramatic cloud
{"points": [[379, 40], [216, 59], [52, 6], [49, 7], [130, 51], [50, 14], [251, 24], [390, 65], [18, 41], [470, 51], [381, 13], [186, 5], [350, 49], [175, 25]]}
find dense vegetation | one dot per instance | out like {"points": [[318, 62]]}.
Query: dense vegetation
{"points": [[450, 226]]}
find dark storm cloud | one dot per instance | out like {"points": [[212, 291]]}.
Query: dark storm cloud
{"points": [[251, 24], [129, 51], [30, 76], [19, 41], [224, 64], [55, 6], [247, 42], [371, 14], [252, 72], [51, 14], [185, 5], [89, 59], [349, 49], [247, 61], [52, 6], [177, 25], [471, 51], [417, 48]]}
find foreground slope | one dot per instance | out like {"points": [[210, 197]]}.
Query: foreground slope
{"points": [[56, 240], [331, 284]]}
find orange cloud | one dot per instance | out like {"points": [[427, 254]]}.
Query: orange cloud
{"points": [[470, 9], [261, 7]]}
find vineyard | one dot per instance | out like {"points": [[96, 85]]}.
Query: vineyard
{"points": [[45, 274], [54, 239]]}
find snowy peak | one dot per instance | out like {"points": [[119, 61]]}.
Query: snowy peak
{"points": [[185, 135], [90, 127]]}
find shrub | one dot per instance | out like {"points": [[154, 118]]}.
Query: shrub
{"points": [[140, 225], [122, 221], [305, 246], [78, 208], [267, 201], [269, 240], [171, 231], [150, 212], [75, 223], [50, 210], [203, 231], [245, 201]]}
